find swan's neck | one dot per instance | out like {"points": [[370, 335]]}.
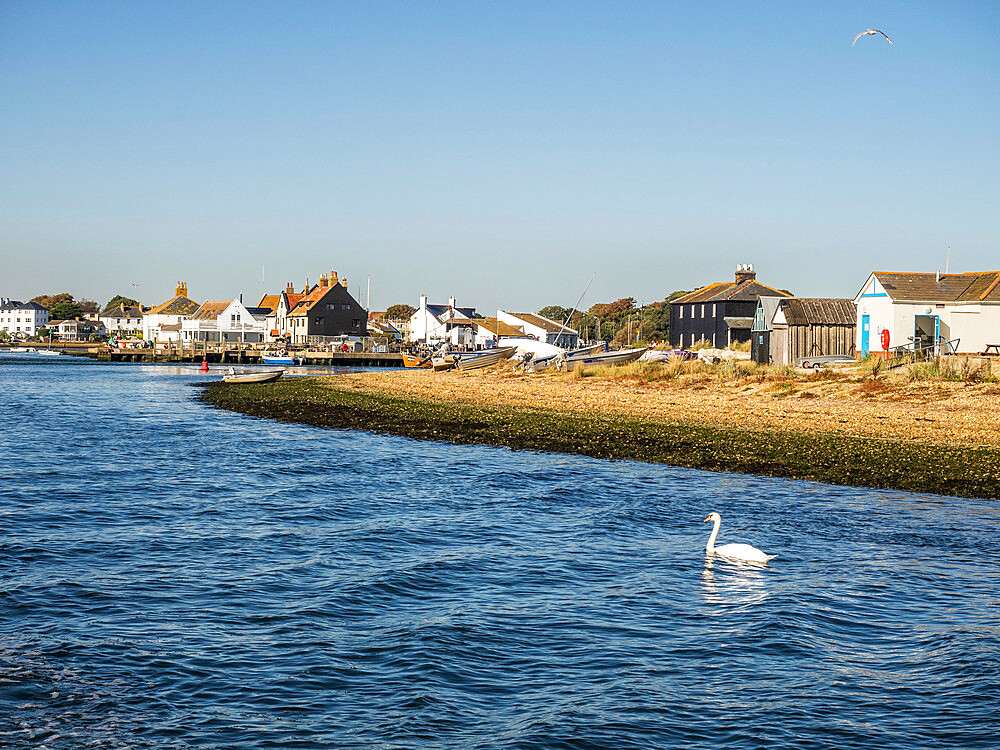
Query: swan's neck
{"points": [[710, 547]]}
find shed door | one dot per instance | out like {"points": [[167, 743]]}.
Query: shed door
{"points": [[865, 328]]}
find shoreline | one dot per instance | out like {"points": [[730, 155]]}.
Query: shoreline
{"points": [[463, 409]]}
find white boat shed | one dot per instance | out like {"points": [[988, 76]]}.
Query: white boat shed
{"points": [[949, 313]]}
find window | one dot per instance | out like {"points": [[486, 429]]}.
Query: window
{"points": [[356, 323], [331, 306], [345, 305], [318, 321], [680, 312]]}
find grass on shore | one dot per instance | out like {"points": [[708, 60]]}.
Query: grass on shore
{"points": [[837, 459]]}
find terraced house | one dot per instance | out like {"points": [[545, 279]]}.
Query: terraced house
{"points": [[163, 322], [21, 319]]}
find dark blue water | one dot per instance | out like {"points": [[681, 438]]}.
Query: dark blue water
{"points": [[176, 576]]}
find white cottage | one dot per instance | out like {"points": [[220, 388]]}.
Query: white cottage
{"points": [[947, 313], [21, 319], [163, 322], [124, 320], [226, 322], [541, 328], [433, 323]]}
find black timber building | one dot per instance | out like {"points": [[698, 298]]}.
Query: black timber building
{"points": [[721, 313]]}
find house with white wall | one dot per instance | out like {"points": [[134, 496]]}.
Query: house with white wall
{"points": [[226, 322], [541, 328], [276, 322], [945, 312], [162, 323], [21, 319], [124, 320], [432, 324]]}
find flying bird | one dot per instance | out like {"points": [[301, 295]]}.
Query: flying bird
{"points": [[871, 32]]}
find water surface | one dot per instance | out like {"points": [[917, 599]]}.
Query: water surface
{"points": [[176, 576]]}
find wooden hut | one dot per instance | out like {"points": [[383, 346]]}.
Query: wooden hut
{"points": [[760, 338], [812, 327]]}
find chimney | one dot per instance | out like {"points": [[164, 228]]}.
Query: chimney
{"points": [[423, 301], [305, 289], [451, 301], [343, 282], [333, 278], [323, 280], [181, 290], [290, 288], [745, 272]]}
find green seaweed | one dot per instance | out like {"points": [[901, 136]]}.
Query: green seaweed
{"points": [[969, 471]]}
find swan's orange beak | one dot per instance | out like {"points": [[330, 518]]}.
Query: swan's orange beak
{"points": [[707, 519]]}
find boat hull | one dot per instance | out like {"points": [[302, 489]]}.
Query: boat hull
{"points": [[269, 360], [606, 358], [485, 359], [253, 377], [410, 360]]}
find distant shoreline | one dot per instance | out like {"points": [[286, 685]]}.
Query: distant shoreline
{"points": [[349, 403]]}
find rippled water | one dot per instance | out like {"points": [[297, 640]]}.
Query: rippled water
{"points": [[175, 576]]}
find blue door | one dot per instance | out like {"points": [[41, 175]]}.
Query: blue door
{"points": [[865, 326]]}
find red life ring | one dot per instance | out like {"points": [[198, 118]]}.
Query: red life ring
{"points": [[885, 339]]}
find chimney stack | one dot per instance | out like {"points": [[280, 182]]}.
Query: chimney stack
{"points": [[745, 272], [423, 301], [333, 278], [290, 288], [451, 301], [305, 289]]}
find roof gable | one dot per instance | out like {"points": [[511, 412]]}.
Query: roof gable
{"points": [[975, 286], [804, 311], [179, 305], [722, 291]]}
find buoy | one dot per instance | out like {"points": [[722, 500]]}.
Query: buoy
{"points": [[204, 365]]}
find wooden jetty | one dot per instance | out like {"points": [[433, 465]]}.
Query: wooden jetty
{"points": [[241, 354]]}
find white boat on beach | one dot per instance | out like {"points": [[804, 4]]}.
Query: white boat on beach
{"points": [[252, 376], [621, 357], [538, 364], [477, 360]]}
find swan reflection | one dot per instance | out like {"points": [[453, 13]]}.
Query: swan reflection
{"points": [[730, 582]]}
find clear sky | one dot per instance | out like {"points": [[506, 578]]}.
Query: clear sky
{"points": [[501, 152]]}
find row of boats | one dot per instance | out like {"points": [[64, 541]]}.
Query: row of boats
{"points": [[529, 354], [32, 350]]}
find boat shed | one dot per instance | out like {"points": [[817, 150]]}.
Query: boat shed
{"points": [[760, 338], [812, 327]]}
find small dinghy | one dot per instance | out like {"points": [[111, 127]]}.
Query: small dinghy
{"points": [[252, 376]]}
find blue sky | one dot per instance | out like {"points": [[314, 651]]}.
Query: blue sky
{"points": [[503, 153]]}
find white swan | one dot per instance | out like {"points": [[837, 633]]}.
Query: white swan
{"points": [[733, 551]]}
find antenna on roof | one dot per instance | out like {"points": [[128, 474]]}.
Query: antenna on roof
{"points": [[947, 259]]}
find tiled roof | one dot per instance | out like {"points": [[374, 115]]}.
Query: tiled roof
{"points": [[259, 310], [978, 286], [804, 311], [293, 300], [121, 311], [498, 327], [544, 323], [211, 310], [15, 305], [746, 291], [179, 305], [270, 301]]}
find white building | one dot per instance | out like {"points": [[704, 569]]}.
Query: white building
{"points": [[541, 328], [226, 322], [76, 330], [163, 322], [432, 324], [123, 320], [21, 319], [276, 321], [954, 312]]}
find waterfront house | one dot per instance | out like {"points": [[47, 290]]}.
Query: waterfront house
{"points": [[327, 311], [721, 313], [541, 328], [812, 327], [21, 319], [163, 322], [76, 330], [433, 324], [226, 321], [123, 320], [941, 312], [276, 321]]}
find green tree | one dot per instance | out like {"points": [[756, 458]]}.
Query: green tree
{"points": [[400, 312], [555, 312], [65, 311], [120, 300]]}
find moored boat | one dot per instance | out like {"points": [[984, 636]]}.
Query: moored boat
{"points": [[410, 360], [252, 376], [48, 353], [280, 359]]}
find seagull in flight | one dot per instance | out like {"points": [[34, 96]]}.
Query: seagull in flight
{"points": [[871, 32]]}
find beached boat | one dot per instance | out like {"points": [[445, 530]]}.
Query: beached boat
{"points": [[443, 362], [252, 376], [280, 359], [621, 357], [410, 360], [477, 360], [543, 363]]}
